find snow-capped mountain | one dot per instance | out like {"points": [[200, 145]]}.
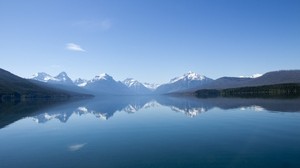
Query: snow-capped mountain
{"points": [[80, 82], [43, 77], [132, 83], [136, 86], [103, 77], [187, 81], [62, 81], [61, 78], [151, 86], [105, 84], [190, 76]]}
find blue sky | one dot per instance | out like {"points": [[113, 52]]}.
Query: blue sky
{"points": [[149, 40]]}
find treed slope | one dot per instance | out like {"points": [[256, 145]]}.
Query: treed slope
{"points": [[14, 87], [268, 91]]}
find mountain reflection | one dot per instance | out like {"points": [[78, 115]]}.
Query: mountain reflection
{"points": [[190, 106], [102, 108], [105, 107]]}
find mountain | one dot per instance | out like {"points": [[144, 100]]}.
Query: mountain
{"points": [[61, 78], [13, 87], [105, 84], [276, 77], [270, 78], [187, 81], [226, 82], [43, 77], [80, 82], [151, 86], [61, 81], [136, 87]]}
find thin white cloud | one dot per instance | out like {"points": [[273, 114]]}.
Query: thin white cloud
{"points": [[74, 47], [76, 147], [105, 24]]}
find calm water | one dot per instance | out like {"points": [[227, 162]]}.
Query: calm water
{"points": [[151, 132]]}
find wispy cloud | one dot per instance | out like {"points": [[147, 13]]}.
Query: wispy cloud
{"points": [[76, 147], [105, 24], [74, 47]]}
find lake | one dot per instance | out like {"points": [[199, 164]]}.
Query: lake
{"points": [[147, 132]]}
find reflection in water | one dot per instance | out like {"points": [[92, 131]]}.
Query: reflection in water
{"points": [[102, 108], [253, 108], [155, 134], [190, 106], [11, 112], [105, 107]]}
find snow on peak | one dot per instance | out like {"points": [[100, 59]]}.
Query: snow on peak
{"points": [[252, 76], [62, 76], [194, 76], [103, 76], [80, 82], [256, 75], [151, 86], [188, 76], [130, 82], [43, 77], [40, 74]]}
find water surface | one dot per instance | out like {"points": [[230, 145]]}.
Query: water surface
{"points": [[151, 132]]}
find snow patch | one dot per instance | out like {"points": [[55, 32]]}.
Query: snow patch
{"points": [[151, 86], [188, 76], [252, 76], [103, 76]]}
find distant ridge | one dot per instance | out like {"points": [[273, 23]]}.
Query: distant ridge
{"points": [[270, 78]]}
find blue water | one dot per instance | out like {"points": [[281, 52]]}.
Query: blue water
{"points": [[151, 132]]}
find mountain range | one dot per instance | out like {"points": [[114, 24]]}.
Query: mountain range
{"points": [[100, 84], [61, 78], [188, 82], [105, 84]]}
